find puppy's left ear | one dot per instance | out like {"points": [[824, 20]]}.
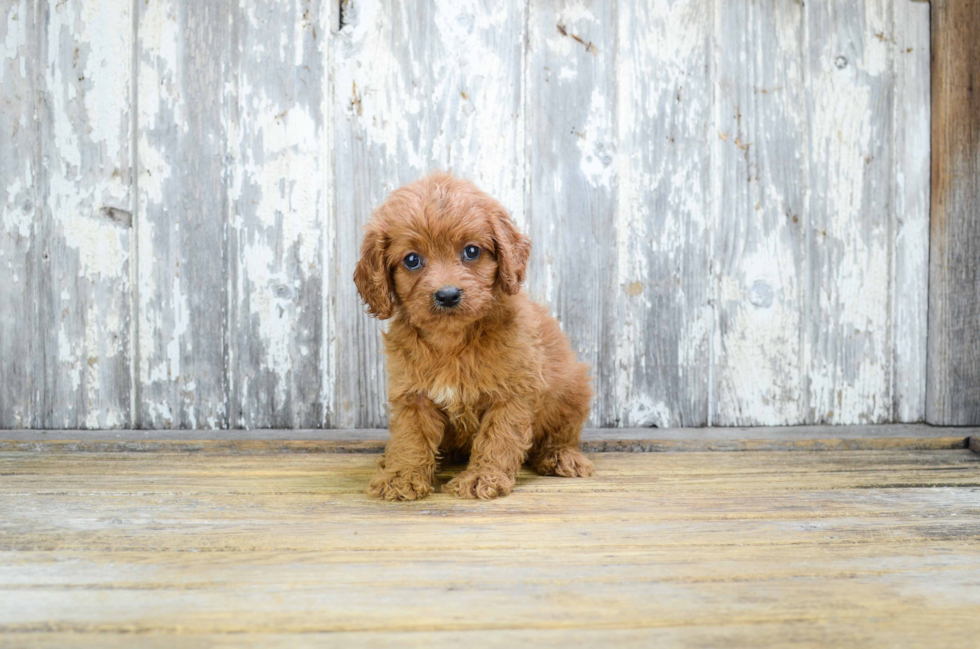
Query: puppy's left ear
{"points": [[513, 251], [371, 273]]}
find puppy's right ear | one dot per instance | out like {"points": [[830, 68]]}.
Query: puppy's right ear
{"points": [[371, 273]]}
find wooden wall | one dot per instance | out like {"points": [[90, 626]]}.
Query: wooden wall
{"points": [[953, 377], [729, 200]]}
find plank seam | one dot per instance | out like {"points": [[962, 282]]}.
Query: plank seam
{"points": [[134, 240], [39, 208], [713, 273], [807, 260]]}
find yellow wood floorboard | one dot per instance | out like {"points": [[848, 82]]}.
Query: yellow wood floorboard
{"points": [[872, 548]]}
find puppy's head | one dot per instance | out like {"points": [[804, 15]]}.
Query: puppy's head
{"points": [[441, 252]]}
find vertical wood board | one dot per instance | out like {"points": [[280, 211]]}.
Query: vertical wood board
{"points": [[910, 209], [759, 260], [572, 180], [953, 383], [662, 291], [18, 215], [276, 230], [83, 233], [847, 352], [186, 103]]}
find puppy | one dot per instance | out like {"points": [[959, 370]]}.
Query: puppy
{"points": [[474, 366]]}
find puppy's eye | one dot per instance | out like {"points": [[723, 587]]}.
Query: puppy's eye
{"points": [[470, 253], [412, 261]]}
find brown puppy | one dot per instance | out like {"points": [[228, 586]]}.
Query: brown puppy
{"points": [[473, 365]]}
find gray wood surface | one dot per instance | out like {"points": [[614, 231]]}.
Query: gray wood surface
{"points": [[728, 201], [910, 187], [19, 171], [848, 220], [187, 107], [82, 351], [277, 197], [760, 143], [662, 290], [572, 163], [953, 386]]}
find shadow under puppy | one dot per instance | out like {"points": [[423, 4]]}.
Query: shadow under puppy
{"points": [[474, 366]]}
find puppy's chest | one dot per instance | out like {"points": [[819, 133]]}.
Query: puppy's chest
{"points": [[455, 396], [464, 401]]}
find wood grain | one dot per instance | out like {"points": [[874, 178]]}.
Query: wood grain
{"points": [[760, 154], [278, 195], [83, 232], [953, 379], [848, 219], [734, 549], [910, 209], [572, 153], [187, 104], [19, 214], [664, 285]]}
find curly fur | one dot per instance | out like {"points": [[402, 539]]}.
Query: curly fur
{"points": [[493, 377]]}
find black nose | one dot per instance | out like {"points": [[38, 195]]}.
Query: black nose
{"points": [[448, 296]]}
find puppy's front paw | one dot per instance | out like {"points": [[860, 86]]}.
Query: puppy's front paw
{"points": [[483, 485], [566, 462], [393, 485]]}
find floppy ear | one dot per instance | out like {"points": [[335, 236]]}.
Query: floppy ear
{"points": [[513, 250], [371, 273]]}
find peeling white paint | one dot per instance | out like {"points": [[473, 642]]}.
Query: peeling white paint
{"points": [[597, 144], [826, 309], [643, 412], [849, 372], [18, 213]]}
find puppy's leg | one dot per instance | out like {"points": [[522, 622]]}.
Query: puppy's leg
{"points": [[555, 451], [499, 449], [557, 454], [407, 468]]}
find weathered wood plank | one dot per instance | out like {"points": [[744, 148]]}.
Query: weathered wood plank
{"points": [[19, 169], [417, 87], [910, 209], [760, 165], [660, 320], [847, 351], [953, 390], [187, 101], [85, 220], [278, 194], [741, 633], [775, 545], [594, 440], [571, 199]]}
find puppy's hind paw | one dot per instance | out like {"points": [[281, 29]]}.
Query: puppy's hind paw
{"points": [[390, 485], [483, 486], [565, 462]]}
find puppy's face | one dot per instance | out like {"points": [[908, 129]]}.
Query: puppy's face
{"points": [[440, 252]]}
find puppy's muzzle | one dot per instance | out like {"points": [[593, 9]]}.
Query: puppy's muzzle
{"points": [[447, 297]]}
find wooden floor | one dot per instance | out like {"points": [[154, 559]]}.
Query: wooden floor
{"points": [[283, 549]]}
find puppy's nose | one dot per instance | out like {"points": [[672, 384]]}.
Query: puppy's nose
{"points": [[448, 296]]}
